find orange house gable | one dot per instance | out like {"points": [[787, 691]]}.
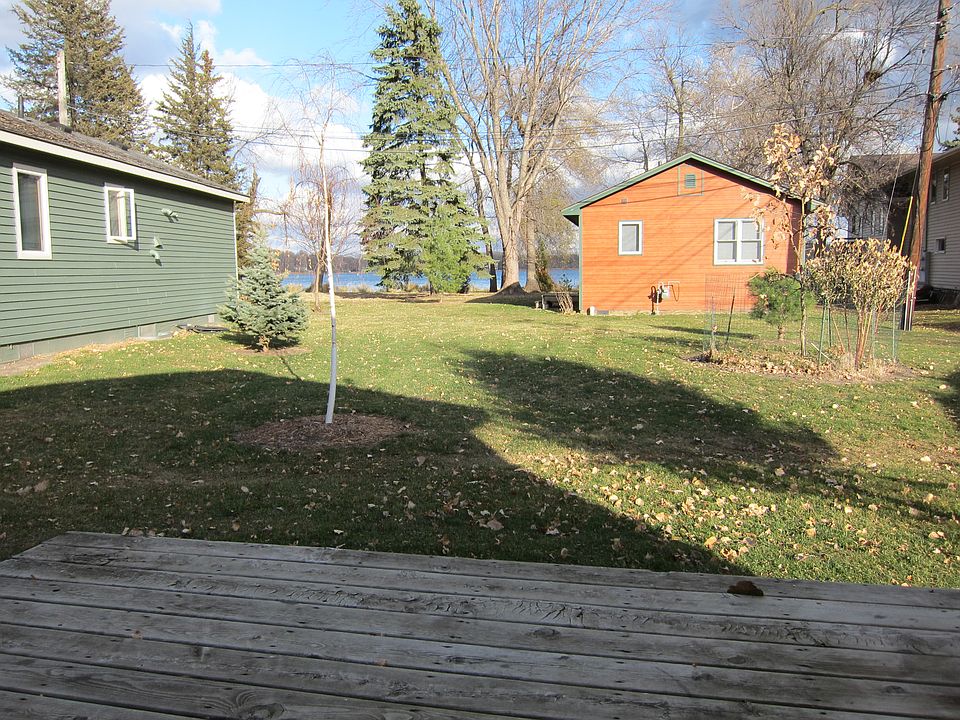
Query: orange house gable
{"points": [[685, 225]]}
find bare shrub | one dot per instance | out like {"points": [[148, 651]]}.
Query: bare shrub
{"points": [[869, 275]]}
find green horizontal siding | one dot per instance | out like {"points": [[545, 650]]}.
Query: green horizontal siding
{"points": [[92, 286]]}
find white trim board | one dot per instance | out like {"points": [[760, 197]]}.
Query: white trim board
{"points": [[111, 164]]}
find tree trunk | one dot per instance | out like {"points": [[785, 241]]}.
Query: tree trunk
{"points": [[511, 264], [493, 263], [317, 281], [530, 243], [803, 322]]}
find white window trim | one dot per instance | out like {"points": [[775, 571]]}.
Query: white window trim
{"points": [[46, 252], [129, 198], [620, 250], [936, 246], [739, 240]]}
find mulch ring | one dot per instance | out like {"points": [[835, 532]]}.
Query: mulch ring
{"points": [[798, 367], [305, 434]]}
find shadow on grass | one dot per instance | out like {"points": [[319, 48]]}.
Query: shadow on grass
{"points": [[156, 452], [635, 418], [949, 397], [620, 417], [701, 332], [249, 342], [510, 295]]}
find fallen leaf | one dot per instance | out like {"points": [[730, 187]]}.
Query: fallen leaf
{"points": [[745, 587]]}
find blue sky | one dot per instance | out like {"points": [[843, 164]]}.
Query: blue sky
{"points": [[253, 42]]}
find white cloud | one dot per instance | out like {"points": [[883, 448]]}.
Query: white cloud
{"points": [[268, 116], [247, 56]]}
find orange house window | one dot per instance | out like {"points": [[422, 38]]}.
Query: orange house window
{"points": [[737, 241], [631, 237]]}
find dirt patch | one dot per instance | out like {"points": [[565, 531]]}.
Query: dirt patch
{"points": [[797, 367], [275, 352], [18, 367], [305, 434]]}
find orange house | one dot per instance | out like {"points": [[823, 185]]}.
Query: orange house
{"points": [[673, 233]]}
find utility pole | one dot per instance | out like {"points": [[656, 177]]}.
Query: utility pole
{"points": [[930, 118], [63, 110]]}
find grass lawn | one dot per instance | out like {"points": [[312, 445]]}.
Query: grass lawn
{"points": [[589, 440]]}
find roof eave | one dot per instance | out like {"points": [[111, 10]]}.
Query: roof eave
{"points": [[578, 207], [89, 158]]}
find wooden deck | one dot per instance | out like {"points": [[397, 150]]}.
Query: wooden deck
{"points": [[108, 627]]}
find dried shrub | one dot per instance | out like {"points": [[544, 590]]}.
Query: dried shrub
{"points": [[868, 275]]}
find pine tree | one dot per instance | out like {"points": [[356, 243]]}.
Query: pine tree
{"points": [[259, 305], [247, 226], [778, 299], [417, 221], [194, 121], [103, 99]]}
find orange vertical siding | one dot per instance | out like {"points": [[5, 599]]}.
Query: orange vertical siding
{"points": [[678, 240]]}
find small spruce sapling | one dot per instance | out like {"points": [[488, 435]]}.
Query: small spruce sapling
{"points": [[260, 306], [778, 299]]}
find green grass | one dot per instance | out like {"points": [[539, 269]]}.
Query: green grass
{"points": [[592, 440]]}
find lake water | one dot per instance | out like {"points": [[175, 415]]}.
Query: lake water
{"points": [[352, 281]]}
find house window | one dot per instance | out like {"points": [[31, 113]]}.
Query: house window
{"points": [[933, 191], [940, 245], [31, 213], [121, 215], [737, 241], [631, 237], [946, 184]]}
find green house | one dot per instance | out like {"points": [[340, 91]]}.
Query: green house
{"points": [[100, 244]]}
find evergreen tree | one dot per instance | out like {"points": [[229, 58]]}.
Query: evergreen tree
{"points": [[247, 226], [417, 221], [260, 306], [778, 299], [102, 96], [194, 121]]}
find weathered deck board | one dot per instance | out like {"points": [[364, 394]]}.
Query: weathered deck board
{"points": [[650, 599], [109, 626], [28, 706], [747, 654], [571, 574]]}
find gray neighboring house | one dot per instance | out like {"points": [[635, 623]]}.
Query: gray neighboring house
{"points": [[940, 264], [99, 243], [884, 208]]}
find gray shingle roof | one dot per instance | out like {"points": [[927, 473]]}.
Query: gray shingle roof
{"points": [[55, 134]]}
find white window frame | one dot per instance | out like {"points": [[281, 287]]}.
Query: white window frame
{"points": [[45, 252], [620, 250], [128, 195], [738, 239], [940, 245]]}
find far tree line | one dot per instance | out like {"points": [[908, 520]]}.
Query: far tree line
{"points": [[482, 131]]}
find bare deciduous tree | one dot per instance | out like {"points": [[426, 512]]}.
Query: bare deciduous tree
{"points": [[321, 209], [515, 71], [668, 100], [323, 98], [840, 74]]}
